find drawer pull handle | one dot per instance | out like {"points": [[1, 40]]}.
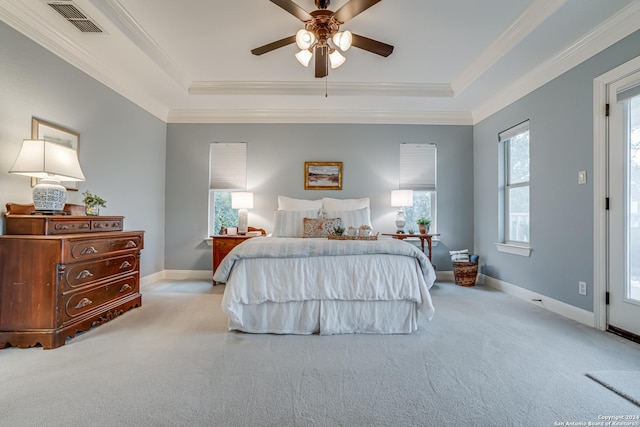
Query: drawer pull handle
{"points": [[84, 274], [125, 288], [89, 250], [125, 265], [84, 302], [131, 244]]}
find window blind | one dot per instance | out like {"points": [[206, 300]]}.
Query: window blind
{"points": [[228, 166], [516, 130], [628, 93], [418, 167]]}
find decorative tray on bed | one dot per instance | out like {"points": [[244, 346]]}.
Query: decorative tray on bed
{"points": [[334, 237]]}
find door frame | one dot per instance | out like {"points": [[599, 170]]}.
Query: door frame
{"points": [[600, 181]]}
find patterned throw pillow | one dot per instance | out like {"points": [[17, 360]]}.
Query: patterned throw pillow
{"points": [[318, 227]]}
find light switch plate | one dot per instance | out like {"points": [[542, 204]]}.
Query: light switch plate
{"points": [[582, 177]]}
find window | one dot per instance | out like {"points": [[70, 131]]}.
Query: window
{"points": [[418, 173], [514, 198], [227, 172]]}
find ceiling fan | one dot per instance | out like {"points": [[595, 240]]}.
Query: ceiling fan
{"points": [[321, 36]]}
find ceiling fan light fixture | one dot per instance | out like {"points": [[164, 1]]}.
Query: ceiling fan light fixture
{"points": [[343, 40], [305, 39], [336, 58], [304, 56]]}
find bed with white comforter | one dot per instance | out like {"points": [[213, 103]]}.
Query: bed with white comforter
{"points": [[297, 285]]}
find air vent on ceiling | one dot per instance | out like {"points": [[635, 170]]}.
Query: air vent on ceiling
{"points": [[77, 18]]}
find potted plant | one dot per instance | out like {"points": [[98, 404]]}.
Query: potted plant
{"points": [[92, 203], [423, 224]]}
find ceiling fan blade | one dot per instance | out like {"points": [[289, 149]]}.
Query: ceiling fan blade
{"points": [[371, 45], [322, 61], [353, 8], [274, 45], [293, 9]]}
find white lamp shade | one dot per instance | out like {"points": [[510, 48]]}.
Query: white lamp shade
{"points": [[45, 159], [336, 59], [305, 39], [343, 40], [400, 198], [304, 56], [241, 200]]}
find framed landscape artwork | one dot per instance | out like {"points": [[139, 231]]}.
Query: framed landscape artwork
{"points": [[50, 132], [323, 175]]}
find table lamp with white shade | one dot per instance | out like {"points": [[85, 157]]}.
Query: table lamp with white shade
{"points": [[401, 199], [242, 200], [51, 163]]}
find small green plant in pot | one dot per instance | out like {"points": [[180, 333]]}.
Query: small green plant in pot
{"points": [[423, 224], [93, 203]]}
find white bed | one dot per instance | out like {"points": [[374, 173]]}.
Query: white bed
{"points": [[307, 286]]}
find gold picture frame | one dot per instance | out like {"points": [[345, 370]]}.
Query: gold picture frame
{"points": [[54, 133], [323, 175]]}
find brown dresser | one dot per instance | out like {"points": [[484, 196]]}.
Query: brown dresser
{"points": [[65, 274]]}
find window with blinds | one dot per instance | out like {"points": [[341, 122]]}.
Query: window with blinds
{"points": [[418, 172], [227, 173]]}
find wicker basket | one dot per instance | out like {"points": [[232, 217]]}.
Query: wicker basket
{"points": [[465, 273]]}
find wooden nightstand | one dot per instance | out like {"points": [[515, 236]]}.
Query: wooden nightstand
{"points": [[222, 245]]}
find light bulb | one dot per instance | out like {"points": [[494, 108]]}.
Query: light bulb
{"points": [[304, 56]]}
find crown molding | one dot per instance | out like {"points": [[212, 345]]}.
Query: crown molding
{"points": [[122, 19], [29, 22], [440, 90], [614, 29], [321, 116], [530, 19]]}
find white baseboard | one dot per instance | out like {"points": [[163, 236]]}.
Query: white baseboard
{"points": [[176, 275], [578, 314]]}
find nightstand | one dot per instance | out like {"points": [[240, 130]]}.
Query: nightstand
{"points": [[222, 245]]}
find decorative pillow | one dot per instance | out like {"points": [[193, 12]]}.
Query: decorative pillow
{"points": [[317, 227], [462, 255], [289, 204], [329, 204], [353, 218], [289, 223]]}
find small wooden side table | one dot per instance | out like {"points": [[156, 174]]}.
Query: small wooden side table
{"points": [[222, 245], [422, 238]]}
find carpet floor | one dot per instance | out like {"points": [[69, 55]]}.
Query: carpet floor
{"points": [[486, 359], [624, 383]]}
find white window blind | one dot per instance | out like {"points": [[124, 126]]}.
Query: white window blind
{"points": [[228, 166], [418, 167], [628, 93]]}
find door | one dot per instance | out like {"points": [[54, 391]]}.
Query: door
{"points": [[623, 313]]}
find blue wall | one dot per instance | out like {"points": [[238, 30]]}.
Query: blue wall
{"points": [[561, 144]]}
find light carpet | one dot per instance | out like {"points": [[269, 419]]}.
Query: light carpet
{"points": [[624, 383], [486, 359]]}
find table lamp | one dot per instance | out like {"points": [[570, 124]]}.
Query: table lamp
{"points": [[242, 200], [51, 163], [400, 199]]}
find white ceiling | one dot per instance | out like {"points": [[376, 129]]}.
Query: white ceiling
{"points": [[455, 61]]}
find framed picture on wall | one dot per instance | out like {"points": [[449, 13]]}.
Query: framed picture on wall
{"points": [[323, 175], [50, 132]]}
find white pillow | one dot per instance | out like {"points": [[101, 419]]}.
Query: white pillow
{"points": [[329, 204], [353, 218], [288, 204], [291, 223], [462, 255]]}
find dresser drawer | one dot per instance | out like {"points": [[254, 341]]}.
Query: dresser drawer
{"points": [[82, 302], [71, 226], [102, 246], [73, 276]]}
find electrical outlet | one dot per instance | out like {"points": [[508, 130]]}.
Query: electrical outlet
{"points": [[582, 288]]}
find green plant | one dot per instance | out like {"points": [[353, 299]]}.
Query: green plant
{"points": [[338, 231], [423, 221], [93, 200]]}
